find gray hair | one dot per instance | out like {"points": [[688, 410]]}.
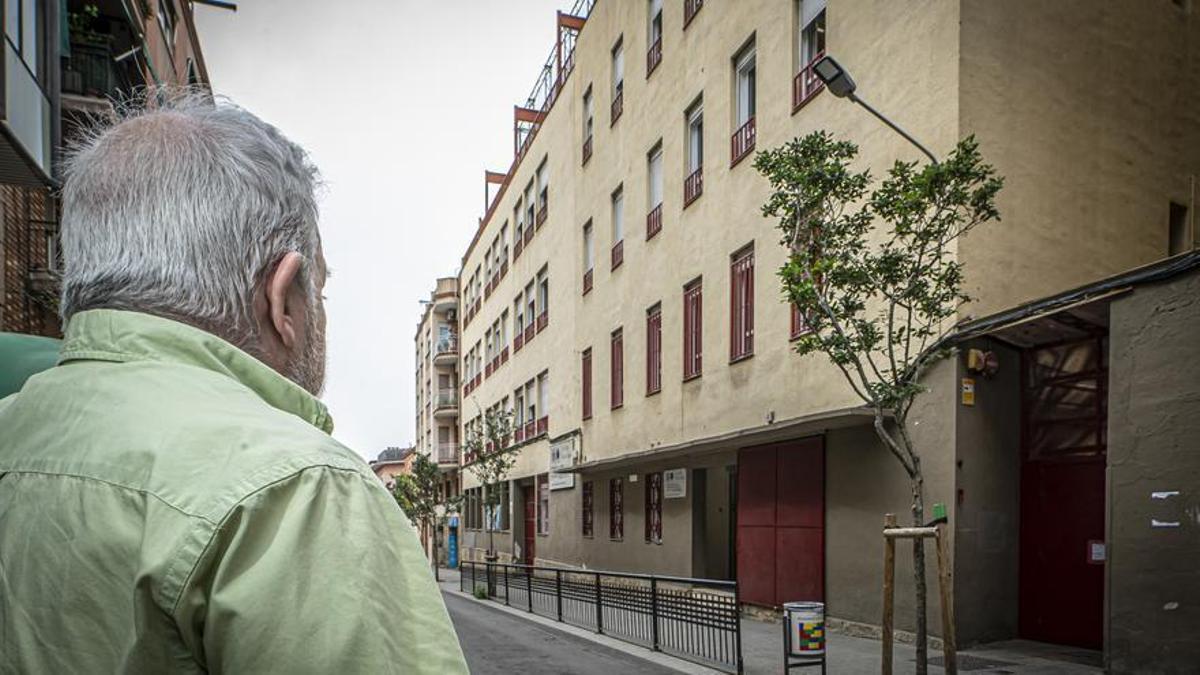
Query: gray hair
{"points": [[179, 205]]}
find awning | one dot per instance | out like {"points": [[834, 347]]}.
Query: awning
{"points": [[805, 425]]}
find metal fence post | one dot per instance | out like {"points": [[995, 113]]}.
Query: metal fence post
{"points": [[506, 585], [599, 607], [460, 577], [558, 591], [654, 611], [737, 622], [529, 586]]}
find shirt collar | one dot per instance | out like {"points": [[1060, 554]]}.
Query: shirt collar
{"points": [[121, 336]]}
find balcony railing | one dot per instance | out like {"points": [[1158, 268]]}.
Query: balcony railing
{"points": [[543, 425], [530, 331], [806, 84], [618, 254], [528, 234], [518, 341], [693, 186], [587, 282], [530, 430], [690, 9], [518, 246], [90, 70], [742, 142], [654, 56], [587, 149], [618, 105], [446, 346], [448, 453], [518, 434], [542, 320], [541, 214], [654, 222], [446, 398]]}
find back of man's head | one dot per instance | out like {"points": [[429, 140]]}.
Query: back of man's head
{"points": [[181, 206]]}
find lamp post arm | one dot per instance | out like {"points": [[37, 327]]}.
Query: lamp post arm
{"points": [[891, 124]]}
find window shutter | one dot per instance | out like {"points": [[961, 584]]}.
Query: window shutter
{"points": [[587, 383]]}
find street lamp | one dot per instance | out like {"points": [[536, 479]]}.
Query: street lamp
{"points": [[840, 84]]}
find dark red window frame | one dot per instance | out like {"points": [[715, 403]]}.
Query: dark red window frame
{"points": [[616, 508], [654, 508], [654, 350], [617, 381], [741, 305], [589, 509], [586, 367], [693, 330]]}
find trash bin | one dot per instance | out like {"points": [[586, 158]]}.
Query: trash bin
{"points": [[804, 634]]}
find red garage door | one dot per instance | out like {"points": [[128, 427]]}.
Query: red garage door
{"points": [[781, 522]]}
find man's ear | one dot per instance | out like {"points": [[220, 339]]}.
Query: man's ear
{"points": [[285, 302]]}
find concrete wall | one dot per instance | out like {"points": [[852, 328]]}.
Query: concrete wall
{"points": [[988, 477], [1091, 112], [1153, 424], [863, 481]]}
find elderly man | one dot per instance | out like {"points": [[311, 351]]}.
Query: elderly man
{"points": [[170, 498]]}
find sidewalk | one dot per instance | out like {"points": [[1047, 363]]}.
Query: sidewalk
{"points": [[762, 650]]}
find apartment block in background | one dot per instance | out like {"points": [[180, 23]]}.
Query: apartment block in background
{"points": [[639, 336], [437, 395]]}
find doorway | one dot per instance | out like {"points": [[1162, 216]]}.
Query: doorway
{"points": [[1063, 451], [781, 522]]}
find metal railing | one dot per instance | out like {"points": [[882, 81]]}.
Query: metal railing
{"points": [[446, 398], [806, 84], [694, 619], [654, 56], [693, 186], [654, 222], [690, 8], [447, 453], [446, 345], [742, 142], [618, 254]]}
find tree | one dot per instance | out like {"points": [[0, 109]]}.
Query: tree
{"points": [[873, 274], [487, 443], [417, 495]]}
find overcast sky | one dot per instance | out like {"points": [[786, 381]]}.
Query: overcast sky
{"points": [[402, 104]]}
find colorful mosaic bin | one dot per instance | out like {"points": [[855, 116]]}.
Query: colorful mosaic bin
{"points": [[806, 628]]}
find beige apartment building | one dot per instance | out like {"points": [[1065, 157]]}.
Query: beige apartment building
{"points": [[437, 395], [620, 296]]}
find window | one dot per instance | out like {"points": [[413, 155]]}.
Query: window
{"points": [[654, 39], [742, 142], [588, 256], [589, 116], [1178, 237], [654, 508], [166, 21], [618, 80], [585, 364], [543, 509], [519, 408], [810, 47], [654, 349], [618, 227], [618, 370], [543, 186], [531, 407], [741, 303], [543, 394], [693, 184], [616, 508], [654, 189], [530, 304], [518, 322], [530, 207], [799, 325], [693, 330], [690, 8], [497, 517], [543, 298], [589, 508]]}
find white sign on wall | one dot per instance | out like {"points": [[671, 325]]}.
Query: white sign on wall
{"points": [[562, 458], [675, 483]]}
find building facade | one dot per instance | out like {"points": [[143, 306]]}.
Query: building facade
{"points": [[68, 62], [437, 396], [619, 295]]}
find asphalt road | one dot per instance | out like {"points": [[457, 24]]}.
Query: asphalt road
{"points": [[494, 641]]}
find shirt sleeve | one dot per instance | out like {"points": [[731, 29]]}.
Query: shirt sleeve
{"points": [[320, 572]]}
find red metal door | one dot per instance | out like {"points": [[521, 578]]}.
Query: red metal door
{"points": [[781, 522], [1061, 590], [527, 550]]}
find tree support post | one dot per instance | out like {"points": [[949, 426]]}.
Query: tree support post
{"points": [[945, 588]]}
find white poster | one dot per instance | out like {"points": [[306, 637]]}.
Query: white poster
{"points": [[562, 459], [675, 484]]}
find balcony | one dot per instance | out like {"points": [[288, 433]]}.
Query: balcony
{"points": [[530, 429], [25, 146], [541, 214], [543, 425], [618, 105], [653, 56], [518, 246], [504, 356], [528, 235], [654, 222], [618, 254], [693, 186], [445, 352], [690, 9], [530, 331], [806, 84], [587, 150], [448, 455], [518, 341], [542, 321], [445, 404], [742, 143], [587, 282]]}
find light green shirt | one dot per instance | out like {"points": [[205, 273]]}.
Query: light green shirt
{"points": [[169, 504]]}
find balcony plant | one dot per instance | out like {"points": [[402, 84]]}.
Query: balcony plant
{"points": [[873, 273]]}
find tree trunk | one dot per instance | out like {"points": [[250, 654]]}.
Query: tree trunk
{"points": [[918, 512]]}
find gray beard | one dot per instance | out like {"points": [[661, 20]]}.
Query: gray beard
{"points": [[307, 368]]}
